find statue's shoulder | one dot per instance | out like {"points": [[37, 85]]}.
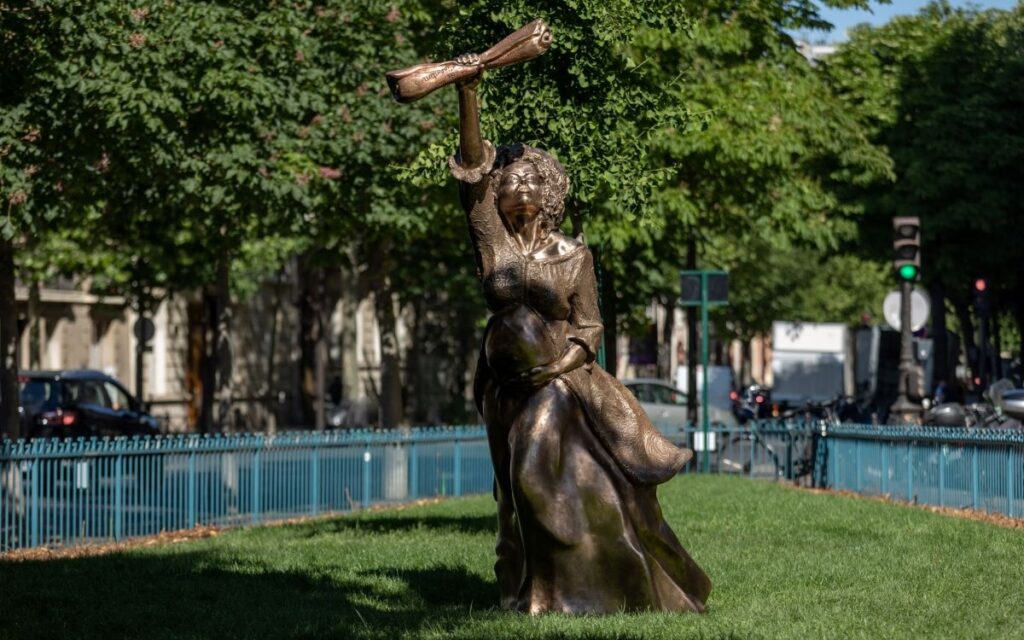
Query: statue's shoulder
{"points": [[566, 244]]}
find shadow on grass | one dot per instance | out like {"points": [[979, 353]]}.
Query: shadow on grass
{"points": [[276, 590], [208, 595], [213, 591]]}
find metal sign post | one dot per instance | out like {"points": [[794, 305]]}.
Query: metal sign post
{"points": [[704, 289]]}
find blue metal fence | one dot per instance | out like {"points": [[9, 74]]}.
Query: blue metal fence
{"points": [[77, 491], [71, 492], [781, 450], [948, 467]]}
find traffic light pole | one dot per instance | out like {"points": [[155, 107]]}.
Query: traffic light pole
{"points": [[704, 357], [698, 291], [984, 374], [904, 409]]}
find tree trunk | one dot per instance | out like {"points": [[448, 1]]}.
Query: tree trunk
{"points": [[941, 366], [225, 351], [997, 348], [140, 352], [313, 345], [464, 368], [746, 373], [9, 423], [35, 326], [665, 346], [320, 354], [144, 305], [419, 387], [1018, 316], [609, 316], [390, 364], [271, 391], [217, 368], [963, 315], [691, 338], [209, 360], [350, 310]]}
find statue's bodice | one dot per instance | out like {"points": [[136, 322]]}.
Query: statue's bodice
{"points": [[531, 301]]}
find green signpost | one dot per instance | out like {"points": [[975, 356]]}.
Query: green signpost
{"points": [[704, 289]]}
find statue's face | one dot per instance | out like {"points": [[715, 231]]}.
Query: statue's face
{"points": [[521, 190]]}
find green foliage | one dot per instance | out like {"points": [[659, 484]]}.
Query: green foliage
{"points": [[195, 129], [764, 181], [590, 100], [941, 91], [775, 279]]}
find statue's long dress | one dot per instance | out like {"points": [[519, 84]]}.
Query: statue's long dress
{"points": [[576, 460]]}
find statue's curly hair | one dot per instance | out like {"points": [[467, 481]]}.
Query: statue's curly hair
{"points": [[556, 182]]}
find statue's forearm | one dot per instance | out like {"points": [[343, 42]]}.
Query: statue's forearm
{"points": [[573, 358], [471, 143]]}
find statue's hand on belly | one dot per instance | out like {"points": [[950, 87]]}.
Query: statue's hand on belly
{"points": [[538, 376], [522, 351]]}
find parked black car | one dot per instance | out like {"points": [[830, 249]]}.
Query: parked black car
{"points": [[79, 403]]}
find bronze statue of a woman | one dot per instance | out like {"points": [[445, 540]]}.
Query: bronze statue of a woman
{"points": [[576, 460]]}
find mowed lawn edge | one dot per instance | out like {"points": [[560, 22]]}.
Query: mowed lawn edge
{"points": [[784, 563]]}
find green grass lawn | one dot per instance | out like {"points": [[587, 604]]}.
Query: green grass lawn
{"points": [[784, 563]]}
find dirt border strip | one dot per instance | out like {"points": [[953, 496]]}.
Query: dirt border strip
{"points": [[185, 535], [965, 513]]}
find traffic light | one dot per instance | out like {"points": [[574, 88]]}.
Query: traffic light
{"points": [[980, 290], [906, 246]]}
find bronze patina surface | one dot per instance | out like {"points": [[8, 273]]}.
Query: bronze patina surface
{"points": [[576, 460]]}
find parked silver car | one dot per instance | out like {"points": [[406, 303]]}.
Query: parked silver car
{"points": [[666, 405]]}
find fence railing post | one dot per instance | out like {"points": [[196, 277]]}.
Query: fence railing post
{"points": [[752, 442], [884, 481], [789, 455], [314, 480], [119, 497], [457, 468], [975, 501], [942, 475], [1010, 488], [191, 517], [414, 470], [858, 473], [367, 457], [34, 505], [910, 471], [257, 484], [831, 456]]}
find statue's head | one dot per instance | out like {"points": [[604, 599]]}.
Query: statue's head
{"points": [[530, 182]]}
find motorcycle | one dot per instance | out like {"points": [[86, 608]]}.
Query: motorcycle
{"points": [[752, 402], [1002, 408]]}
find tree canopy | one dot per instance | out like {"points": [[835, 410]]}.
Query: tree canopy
{"points": [[941, 93], [177, 146]]}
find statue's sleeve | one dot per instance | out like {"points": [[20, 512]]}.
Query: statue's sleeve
{"points": [[477, 196], [585, 326]]}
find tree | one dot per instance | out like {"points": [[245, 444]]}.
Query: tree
{"points": [[941, 92], [760, 188]]}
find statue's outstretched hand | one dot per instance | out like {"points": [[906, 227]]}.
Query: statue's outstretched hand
{"points": [[470, 60]]}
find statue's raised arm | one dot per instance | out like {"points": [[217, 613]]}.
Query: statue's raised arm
{"points": [[411, 84], [465, 71]]}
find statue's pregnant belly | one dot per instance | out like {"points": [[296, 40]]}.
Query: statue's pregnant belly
{"points": [[518, 339]]}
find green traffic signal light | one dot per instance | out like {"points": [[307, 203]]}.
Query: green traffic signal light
{"points": [[908, 272]]}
